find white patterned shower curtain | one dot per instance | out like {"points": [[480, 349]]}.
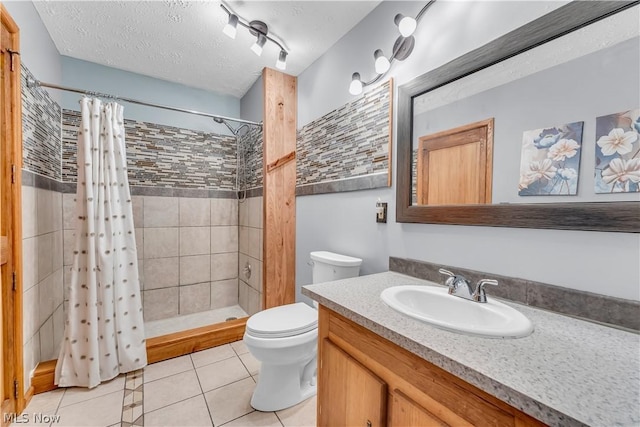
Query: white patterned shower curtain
{"points": [[104, 331]]}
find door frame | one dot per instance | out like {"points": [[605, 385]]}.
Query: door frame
{"points": [[11, 224]]}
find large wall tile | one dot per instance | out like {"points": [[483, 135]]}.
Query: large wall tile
{"points": [[46, 340], [255, 212], [195, 298], [254, 242], [161, 212], [45, 255], [243, 213], [160, 303], [161, 273], [195, 212], [29, 262], [58, 249], [224, 239], [137, 205], [30, 313], [224, 293], [224, 212], [29, 212], [160, 242], [46, 298], [195, 241], [195, 269], [58, 330], [243, 239], [255, 280], [224, 266], [56, 210], [140, 242], [69, 242], [44, 200], [69, 211]]}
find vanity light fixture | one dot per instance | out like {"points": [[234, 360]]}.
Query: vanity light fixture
{"points": [[402, 48], [260, 30]]}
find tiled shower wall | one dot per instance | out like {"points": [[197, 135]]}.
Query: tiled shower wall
{"points": [[42, 287], [187, 252], [250, 257], [187, 246]]}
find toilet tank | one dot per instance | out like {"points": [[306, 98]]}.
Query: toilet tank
{"points": [[328, 266]]}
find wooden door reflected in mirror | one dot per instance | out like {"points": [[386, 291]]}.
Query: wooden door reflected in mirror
{"points": [[455, 167]]}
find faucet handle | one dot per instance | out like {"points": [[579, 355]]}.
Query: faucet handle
{"points": [[479, 295], [447, 272]]}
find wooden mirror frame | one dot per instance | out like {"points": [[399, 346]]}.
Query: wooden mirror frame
{"points": [[593, 216]]}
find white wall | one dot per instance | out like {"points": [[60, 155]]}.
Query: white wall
{"points": [[99, 78], [604, 263], [37, 51]]}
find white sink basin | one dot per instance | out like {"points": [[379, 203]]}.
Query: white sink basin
{"points": [[435, 306]]}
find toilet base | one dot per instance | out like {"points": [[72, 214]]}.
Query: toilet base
{"points": [[281, 387]]}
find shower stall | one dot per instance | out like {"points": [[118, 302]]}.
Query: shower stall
{"points": [[197, 206]]}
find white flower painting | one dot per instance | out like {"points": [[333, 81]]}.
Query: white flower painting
{"points": [[618, 153], [550, 160]]}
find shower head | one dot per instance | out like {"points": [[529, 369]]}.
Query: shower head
{"points": [[218, 120]]}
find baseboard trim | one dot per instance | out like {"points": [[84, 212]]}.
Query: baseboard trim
{"points": [[158, 349]]}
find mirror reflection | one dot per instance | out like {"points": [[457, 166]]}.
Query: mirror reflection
{"points": [[558, 123]]}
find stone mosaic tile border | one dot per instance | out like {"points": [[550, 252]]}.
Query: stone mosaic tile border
{"points": [[41, 129], [366, 182], [586, 305], [38, 181], [353, 140], [163, 156], [132, 405]]}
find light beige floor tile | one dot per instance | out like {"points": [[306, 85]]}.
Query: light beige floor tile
{"points": [[191, 412], [231, 401], [78, 394], [239, 347], [102, 411], [167, 368], [221, 373], [301, 415], [251, 363], [169, 390], [212, 355], [46, 403], [256, 418]]}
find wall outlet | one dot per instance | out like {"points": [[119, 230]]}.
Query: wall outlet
{"points": [[381, 212]]}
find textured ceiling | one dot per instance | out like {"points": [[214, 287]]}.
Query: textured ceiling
{"points": [[182, 41]]}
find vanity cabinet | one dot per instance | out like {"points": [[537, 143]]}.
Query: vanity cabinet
{"points": [[365, 380]]}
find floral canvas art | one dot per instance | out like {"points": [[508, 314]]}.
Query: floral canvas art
{"points": [[550, 160], [617, 153]]}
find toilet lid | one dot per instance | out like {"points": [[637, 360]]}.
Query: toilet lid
{"points": [[284, 321]]}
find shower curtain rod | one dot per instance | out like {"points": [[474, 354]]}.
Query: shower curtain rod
{"points": [[32, 82]]}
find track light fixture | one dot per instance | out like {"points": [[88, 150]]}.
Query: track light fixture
{"points": [[230, 28], [260, 30], [402, 48]]}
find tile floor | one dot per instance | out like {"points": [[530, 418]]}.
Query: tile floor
{"points": [[209, 388]]}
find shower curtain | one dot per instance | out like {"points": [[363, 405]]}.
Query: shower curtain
{"points": [[104, 330]]}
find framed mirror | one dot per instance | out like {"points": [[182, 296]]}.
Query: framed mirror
{"points": [[519, 119]]}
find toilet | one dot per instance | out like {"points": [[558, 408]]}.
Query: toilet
{"points": [[285, 340]]}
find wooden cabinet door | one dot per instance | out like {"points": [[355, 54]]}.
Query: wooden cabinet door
{"points": [[405, 412], [350, 395]]}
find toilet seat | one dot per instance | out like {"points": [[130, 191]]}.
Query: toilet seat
{"points": [[284, 321]]}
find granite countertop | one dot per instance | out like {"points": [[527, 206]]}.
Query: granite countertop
{"points": [[567, 372]]}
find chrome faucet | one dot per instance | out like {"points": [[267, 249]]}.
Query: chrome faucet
{"points": [[459, 286]]}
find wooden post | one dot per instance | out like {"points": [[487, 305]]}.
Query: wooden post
{"points": [[279, 194]]}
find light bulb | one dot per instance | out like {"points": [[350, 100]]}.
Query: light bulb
{"points": [[356, 84], [230, 28], [382, 64], [281, 64], [257, 46], [406, 24]]}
